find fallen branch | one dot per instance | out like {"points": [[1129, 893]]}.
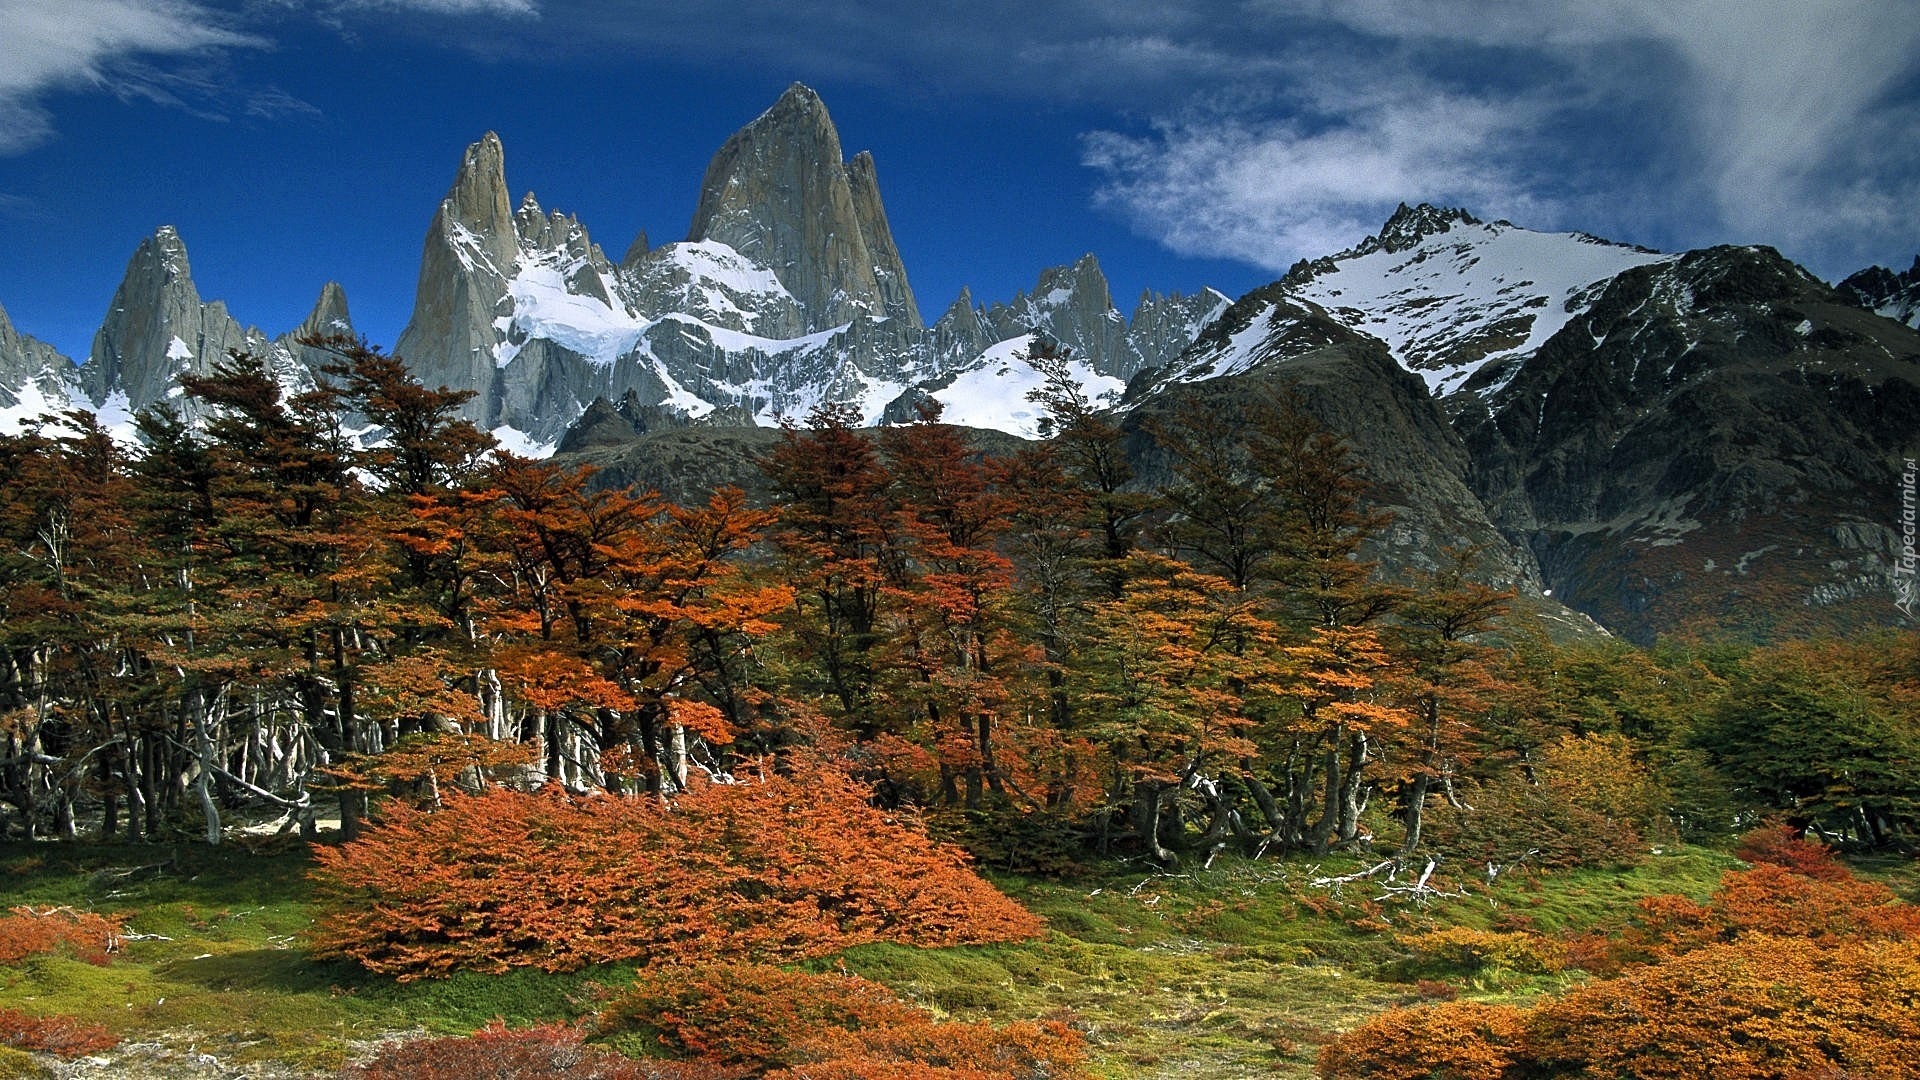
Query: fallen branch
{"points": [[1419, 892], [1347, 879]]}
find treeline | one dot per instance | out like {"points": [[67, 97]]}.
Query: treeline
{"points": [[1049, 659]]}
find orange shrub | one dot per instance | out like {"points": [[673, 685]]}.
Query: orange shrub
{"points": [[1464, 950], [62, 1036], [1758, 1009], [747, 1014], [79, 934], [1781, 846], [1768, 899], [1457, 1040], [783, 869], [1762, 1008], [799, 1026]]}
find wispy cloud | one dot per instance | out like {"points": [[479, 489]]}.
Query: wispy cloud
{"points": [[443, 7], [1270, 191], [162, 51], [65, 44], [1768, 120]]}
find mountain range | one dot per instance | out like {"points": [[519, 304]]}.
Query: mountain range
{"points": [[1658, 441]]}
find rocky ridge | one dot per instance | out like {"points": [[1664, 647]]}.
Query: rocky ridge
{"points": [[1880, 290]]}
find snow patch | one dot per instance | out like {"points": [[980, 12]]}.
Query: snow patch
{"points": [[992, 393], [543, 307], [515, 441]]}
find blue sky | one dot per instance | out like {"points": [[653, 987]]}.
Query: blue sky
{"points": [[1185, 142]]}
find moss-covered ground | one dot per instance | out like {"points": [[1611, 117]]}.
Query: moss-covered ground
{"points": [[1243, 969]]}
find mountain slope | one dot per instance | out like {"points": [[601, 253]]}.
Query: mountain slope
{"points": [[1715, 441]]}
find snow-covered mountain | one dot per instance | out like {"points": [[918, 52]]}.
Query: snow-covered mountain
{"points": [[1451, 296], [787, 293], [156, 330]]}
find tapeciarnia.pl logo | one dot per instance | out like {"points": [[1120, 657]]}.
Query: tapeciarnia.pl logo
{"points": [[1906, 586]]}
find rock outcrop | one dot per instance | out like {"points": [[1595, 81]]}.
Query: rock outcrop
{"points": [[1880, 290], [34, 376]]}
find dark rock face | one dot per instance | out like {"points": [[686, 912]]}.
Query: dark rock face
{"points": [[1715, 442], [1880, 290]]}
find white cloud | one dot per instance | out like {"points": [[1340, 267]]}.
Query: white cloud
{"points": [[60, 44], [1787, 111], [1767, 120], [1271, 191]]}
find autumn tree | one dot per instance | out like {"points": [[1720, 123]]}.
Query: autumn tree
{"points": [[835, 539], [1093, 450], [1447, 681], [1815, 733], [1163, 686], [949, 623], [1218, 513], [69, 574]]}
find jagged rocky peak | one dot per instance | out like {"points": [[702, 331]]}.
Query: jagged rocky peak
{"points": [[329, 317], [636, 251], [157, 329], [328, 320], [780, 193], [1411, 224], [478, 203], [1878, 289], [1073, 305], [471, 251], [559, 241]]}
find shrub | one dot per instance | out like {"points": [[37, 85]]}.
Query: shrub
{"points": [[1769, 899], [62, 1036], [1781, 846], [79, 934], [784, 869], [1459, 1040], [1463, 950], [1592, 805], [789, 1024], [1756, 1009]]}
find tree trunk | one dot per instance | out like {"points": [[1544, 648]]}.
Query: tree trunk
{"points": [[1415, 814]]}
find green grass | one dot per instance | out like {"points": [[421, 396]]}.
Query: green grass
{"points": [[1244, 969]]}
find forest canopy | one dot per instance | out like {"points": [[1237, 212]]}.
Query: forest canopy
{"points": [[351, 596]]}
